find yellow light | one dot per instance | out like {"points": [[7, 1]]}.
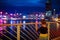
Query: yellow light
{"points": [[56, 19]]}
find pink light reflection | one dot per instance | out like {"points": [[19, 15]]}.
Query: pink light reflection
{"points": [[0, 12], [1, 28], [1, 21]]}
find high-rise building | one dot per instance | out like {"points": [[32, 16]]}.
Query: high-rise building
{"points": [[48, 5], [48, 8]]}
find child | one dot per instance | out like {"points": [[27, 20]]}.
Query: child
{"points": [[43, 31]]}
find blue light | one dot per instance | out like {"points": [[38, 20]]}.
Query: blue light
{"points": [[11, 22], [24, 17], [24, 25]]}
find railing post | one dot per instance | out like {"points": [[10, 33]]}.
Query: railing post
{"points": [[48, 30], [18, 32], [36, 25]]}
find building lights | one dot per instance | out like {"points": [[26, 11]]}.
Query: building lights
{"points": [[24, 24], [6, 13], [1, 21], [41, 16], [24, 17], [11, 22], [36, 14], [17, 13], [5, 21], [4, 16], [0, 12], [1, 28], [20, 14], [0, 16], [11, 14], [14, 14], [36, 21]]}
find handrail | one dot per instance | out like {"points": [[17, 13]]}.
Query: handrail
{"points": [[25, 23], [19, 25]]}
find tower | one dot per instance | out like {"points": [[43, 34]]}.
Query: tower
{"points": [[48, 5], [48, 8]]}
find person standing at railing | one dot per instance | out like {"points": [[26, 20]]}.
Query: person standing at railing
{"points": [[43, 31]]}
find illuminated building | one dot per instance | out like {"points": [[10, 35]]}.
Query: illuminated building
{"points": [[48, 8], [54, 11], [24, 17]]}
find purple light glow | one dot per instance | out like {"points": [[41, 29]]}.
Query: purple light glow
{"points": [[1, 28], [1, 21], [4, 16], [0, 12], [17, 13], [20, 14], [5, 21], [36, 21], [14, 14], [11, 14], [36, 14], [6, 13]]}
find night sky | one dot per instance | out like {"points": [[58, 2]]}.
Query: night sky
{"points": [[34, 5], [23, 2]]}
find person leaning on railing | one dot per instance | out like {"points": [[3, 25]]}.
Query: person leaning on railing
{"points": [[43, 31]]}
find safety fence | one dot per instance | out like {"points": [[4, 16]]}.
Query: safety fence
{"points": [[18, 31], [27, 31], [54, 30]]}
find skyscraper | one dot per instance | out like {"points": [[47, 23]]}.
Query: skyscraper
{"points": [[48, 8], [48, 5]]}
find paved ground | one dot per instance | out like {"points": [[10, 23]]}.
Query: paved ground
{"points": [[58, 38]]}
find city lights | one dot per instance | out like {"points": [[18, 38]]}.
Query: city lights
{"points": [[20, 13], [1, 12], [6, 13], [36, 14], [1, 29], [5, 16], [11, 14], [17, 13], [5, 21], [29, 19], [1, 21], [11, 22], [16, 18], [24, 17], [24, 24]]}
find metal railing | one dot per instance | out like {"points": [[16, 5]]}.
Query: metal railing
{"points": [[53, 30], [18, 26]]}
